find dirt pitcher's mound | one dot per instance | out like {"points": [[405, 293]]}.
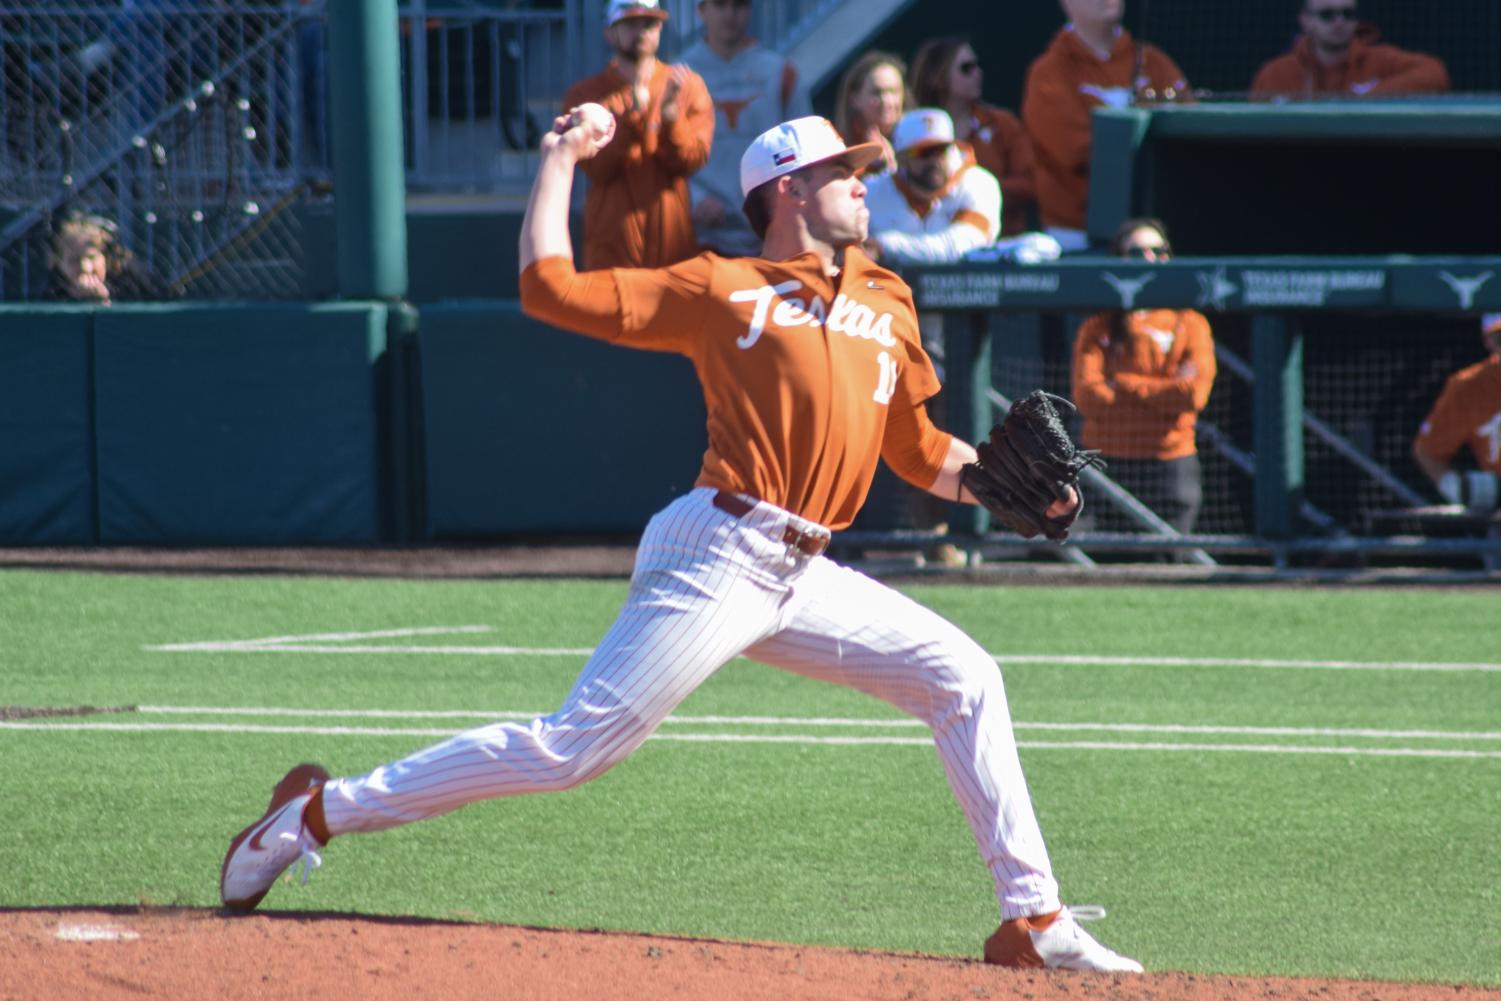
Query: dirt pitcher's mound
{"points": [[161, 953]]}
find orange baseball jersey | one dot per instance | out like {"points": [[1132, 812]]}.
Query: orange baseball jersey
{"points": [[808, 379], [1135, 403], [1468, 411], [1064, 86], [638, 212], [1001, 145]]}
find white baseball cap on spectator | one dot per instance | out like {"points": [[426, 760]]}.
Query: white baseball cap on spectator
{"points": [[794, 145], [619, 10], [922, 128]]}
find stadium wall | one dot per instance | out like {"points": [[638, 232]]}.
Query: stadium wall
{"points": [[170, 424], [526, 429], [339, 423]]}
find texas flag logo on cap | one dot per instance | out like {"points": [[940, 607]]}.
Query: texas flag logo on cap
{"points": [[794, 145]]}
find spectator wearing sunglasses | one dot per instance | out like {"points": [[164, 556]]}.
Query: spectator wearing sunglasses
{"points": [[1339, 55], [1092, 62], [947, 74], [1140, 379], [939, 204], [934, 208]]}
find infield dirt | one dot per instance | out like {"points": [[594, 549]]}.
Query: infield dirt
{"points": [[194, 953]]}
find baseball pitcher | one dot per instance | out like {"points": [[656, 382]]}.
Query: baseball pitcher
{"points": [[812, 370]]}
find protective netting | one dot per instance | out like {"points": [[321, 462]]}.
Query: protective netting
{"points": [[1368, 383], [1221, 45], [184, 132]]}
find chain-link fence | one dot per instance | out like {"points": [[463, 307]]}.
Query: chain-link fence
{"points": [[192, 134], [186, 131], [1369, 380]]}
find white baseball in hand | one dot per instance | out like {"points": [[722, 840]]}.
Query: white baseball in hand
{"points": [[596, 121]]}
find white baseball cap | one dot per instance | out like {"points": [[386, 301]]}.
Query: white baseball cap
{"points": [[794, 145], [619, 10], [922, 127]]}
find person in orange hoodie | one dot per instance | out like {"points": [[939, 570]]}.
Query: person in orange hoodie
{"points": [[638, 213], [1091, 62], [1467, 412], [946, 74], [1339, 55], [1141, 379]]}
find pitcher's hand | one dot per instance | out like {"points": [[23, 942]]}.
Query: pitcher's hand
{"points": [[583, 132]]}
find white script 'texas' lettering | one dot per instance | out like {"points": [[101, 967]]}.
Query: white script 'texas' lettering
{"points": [[847, 316]]}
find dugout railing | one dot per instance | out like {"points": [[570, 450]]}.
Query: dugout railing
{"points": [[200, 129], [1008, 327]]}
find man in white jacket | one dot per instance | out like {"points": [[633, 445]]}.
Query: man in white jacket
{"points": [[938, 205]]}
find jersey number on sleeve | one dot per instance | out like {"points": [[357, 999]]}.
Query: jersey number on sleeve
{"points": [[887, 384]]}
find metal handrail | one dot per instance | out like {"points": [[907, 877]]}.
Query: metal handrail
{"points": [[77, 179], [1118, 495], [1336, 441]]}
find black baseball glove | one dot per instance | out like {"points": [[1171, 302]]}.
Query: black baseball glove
{"points": [[1025, 467]]}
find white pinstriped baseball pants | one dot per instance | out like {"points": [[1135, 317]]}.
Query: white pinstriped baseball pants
{"points": [[709, 587]]}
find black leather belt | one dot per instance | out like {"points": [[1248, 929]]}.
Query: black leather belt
{"points": [[807, 543]]}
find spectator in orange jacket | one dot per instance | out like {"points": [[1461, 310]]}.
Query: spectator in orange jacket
{"points": [[638, 213], [1467, 412], [1092, 62], [1140, 379], [1339, 55], [946, 74]]}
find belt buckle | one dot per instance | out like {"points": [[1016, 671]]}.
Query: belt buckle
{"points": [[807, 543]]}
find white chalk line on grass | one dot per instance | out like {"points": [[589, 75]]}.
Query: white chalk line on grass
{"points": [[1064, 660], [273, 642], [732, 738], [463, 651], [822, 721], [340, 643], [804, 739]]}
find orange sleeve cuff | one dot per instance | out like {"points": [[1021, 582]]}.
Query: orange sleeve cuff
{"points": [[972, 218]]}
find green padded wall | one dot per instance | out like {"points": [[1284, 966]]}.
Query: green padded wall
{"points": [[529, 429], [252, 425], [46, 427], [453, 251]]}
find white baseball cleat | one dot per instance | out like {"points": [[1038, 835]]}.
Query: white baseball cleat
{"points": [[267, 848], [1053, 942]]}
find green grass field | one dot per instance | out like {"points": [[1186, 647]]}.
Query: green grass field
{"points": [[1248, 781]]}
